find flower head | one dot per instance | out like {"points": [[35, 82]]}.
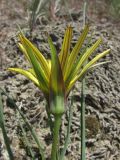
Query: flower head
{"points": [[56, 77]]}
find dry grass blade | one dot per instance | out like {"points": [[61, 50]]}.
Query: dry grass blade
{"points": [[37, 8]]}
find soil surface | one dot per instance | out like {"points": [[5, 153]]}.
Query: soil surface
{"points": [[102, 85]]}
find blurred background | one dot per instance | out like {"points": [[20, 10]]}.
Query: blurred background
{"points": [[54, 9]]}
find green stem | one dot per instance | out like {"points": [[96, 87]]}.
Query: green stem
{"points": [[55, 143], [83, 156], [83, 121]]}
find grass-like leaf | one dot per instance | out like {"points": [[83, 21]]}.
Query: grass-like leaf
{"points": [[37, 9], [2, 126]]}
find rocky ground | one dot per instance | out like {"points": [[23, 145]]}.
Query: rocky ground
{"points": [[102, 86]]}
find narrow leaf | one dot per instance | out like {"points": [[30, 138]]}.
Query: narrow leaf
{"points": [[4, 132], [98, 64]]}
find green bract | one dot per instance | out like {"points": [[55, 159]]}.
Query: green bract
{"points": [[56, 77]]}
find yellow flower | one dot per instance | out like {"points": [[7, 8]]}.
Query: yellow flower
{"points": [[56, 77]]}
